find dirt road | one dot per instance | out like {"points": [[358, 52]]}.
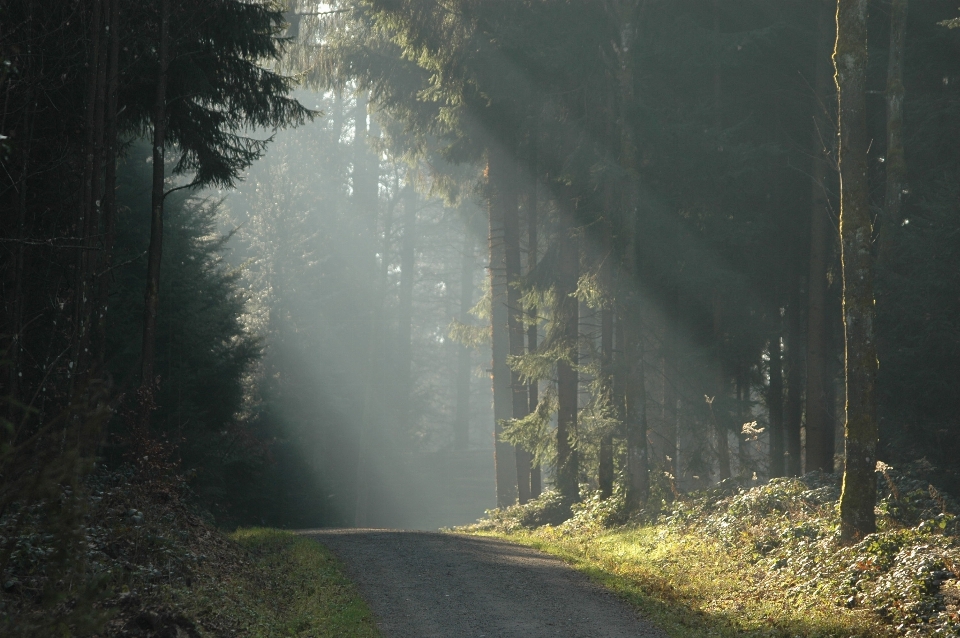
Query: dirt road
{"points": [[427, 585]]}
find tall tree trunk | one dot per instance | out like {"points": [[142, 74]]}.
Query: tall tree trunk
{"points": [[519, 391], [109, 184], [629, 14], [155, 251], [605, 465], [529, 206], [501, 174], [568, 318], [366, 180], [895, 162], [405, 311], [775, 406], [859, 494], [671, 372], [819, 429], [461, 438], [88, 224], [718, 402], [635, 408], [16, 347], [793, 412]]}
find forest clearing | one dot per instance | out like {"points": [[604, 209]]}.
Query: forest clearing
{"points": [[306, 304]]}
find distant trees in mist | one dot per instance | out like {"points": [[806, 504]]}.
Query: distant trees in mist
{"points": [[685, 167]]}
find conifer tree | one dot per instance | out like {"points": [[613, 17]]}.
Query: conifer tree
{"points": [[209, 89]]}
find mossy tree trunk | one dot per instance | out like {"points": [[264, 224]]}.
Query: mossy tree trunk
{"points": [[859, 493]]}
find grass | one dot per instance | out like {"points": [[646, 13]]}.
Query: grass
{"points": [[693, 587], [297, 588], [763, 561]]}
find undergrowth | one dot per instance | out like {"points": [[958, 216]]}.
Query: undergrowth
{"points": [[151, 566], [765, 560]]}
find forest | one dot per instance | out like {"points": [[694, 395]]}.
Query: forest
{"points": [[570, 267]]}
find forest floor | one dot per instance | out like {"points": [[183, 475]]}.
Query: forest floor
{"points": [[146, 565], [763, 560], [430, 585]]}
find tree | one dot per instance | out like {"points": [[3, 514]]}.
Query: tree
{"points": [[208, 59], [567, 320], [502, 204], [859, 493]]}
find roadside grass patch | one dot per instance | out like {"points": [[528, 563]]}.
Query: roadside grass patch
{"points": [[299, 589], [765, 561]]}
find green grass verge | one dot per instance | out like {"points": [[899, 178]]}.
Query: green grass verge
{"points": [[291, 587], [694, 587]]}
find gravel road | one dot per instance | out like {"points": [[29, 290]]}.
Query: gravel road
{"points": [[427, 585]]}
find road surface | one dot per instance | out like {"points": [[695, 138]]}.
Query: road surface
{"points": [[429, 585]]}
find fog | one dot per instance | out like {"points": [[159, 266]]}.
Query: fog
{"points": [[371, 307], [355, 294]]}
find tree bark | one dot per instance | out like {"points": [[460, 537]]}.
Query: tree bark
{"points": [[605, 464], [793, 412], [155, 251], [775, 406], [519, 392], [568, 319], [502, 199], [408, 266], [629, 14], [105, 276], [366, 183], [529, 206], [461, 437], [89, 221], [719, 398], [859, 493]]}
